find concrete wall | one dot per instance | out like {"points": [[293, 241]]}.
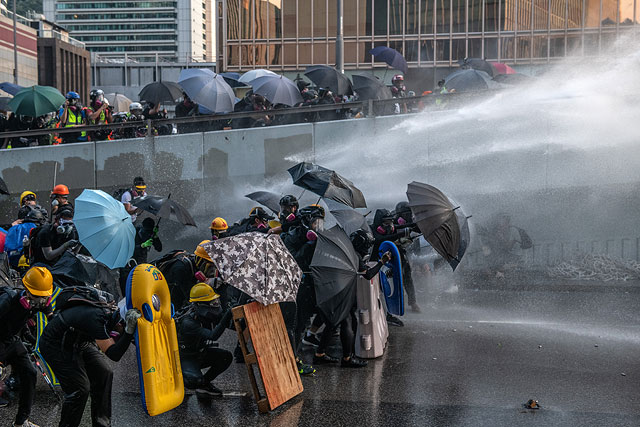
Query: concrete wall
{"points": [[558, 196]]}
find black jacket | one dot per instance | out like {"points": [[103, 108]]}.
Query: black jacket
{"points": [[13, 315], [194, 333]]}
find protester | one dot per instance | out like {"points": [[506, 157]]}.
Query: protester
{"points": [[18, 235], [73, 114], [99, 113], [75, 342], [199, 326], [16, 310], [49, 241], [258, 221], [146, 237], [139, 189], [218, 228], [59, 199]]}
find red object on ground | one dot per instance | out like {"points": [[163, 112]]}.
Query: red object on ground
{"points": [[501, 68]]}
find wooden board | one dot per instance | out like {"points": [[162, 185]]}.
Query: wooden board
{"points": [[264, 342]]}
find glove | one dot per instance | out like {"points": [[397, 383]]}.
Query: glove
{"points": [[155, 231], [131, 320], [312, 236], [200, 277], [386, 257], [70, 244], [147, 244]]}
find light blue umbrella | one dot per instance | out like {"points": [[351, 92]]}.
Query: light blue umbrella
{"points": [[251, 75], [207, 89], [104, 228]]}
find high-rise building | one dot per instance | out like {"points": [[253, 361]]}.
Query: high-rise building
{"points": [[292, 34], [175, 29]]}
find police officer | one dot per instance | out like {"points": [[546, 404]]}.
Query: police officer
{"points": [[16, 309], [199, 327], [74, 343]]}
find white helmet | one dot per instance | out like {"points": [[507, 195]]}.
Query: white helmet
{"points": [[135, 106]]}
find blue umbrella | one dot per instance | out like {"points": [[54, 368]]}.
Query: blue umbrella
{"points": [[277, 89], [251, 75], [232, 79], [104, 228], [207, 89], [391, 56], [10, 88]]}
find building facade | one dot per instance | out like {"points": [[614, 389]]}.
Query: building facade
{"points": [[27, 45], [179, 30], [292, 34]]}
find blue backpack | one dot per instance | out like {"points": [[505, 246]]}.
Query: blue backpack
{"points": [[13, 241]]}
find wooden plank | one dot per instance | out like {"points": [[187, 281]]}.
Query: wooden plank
{"points": [[272, 348], [240, 325]]}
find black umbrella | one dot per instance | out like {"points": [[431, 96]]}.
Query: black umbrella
{"points": [[3, 187], [439, 221], [335, 273], [164, 207], [329, 78], [469, 80], [327, 183], [277, 90], [477, 64], [266, 198], [392, 57], [369, 87], [160, 91], [232, 79], [351, 220], [71, 266]]}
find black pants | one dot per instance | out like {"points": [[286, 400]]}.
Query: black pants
{"points": [[305, 307], [347, 336], [215, 359], [288, 310], [14, 353], [81, 373], [407, 281]]}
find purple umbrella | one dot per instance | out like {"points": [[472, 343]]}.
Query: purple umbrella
{"points": [[391, 56]]}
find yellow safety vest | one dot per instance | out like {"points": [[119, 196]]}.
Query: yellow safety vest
{"points": [[75, 119]]}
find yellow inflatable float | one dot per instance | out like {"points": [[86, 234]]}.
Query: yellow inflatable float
{"points": [[159, 367]]}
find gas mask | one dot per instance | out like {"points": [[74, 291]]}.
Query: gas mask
{"points": [[210, 311], [385, 229], [65, 228]]}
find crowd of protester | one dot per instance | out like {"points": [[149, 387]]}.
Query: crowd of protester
{"points": [[87, 327]]}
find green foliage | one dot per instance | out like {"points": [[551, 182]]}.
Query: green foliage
{"points": [[23, 6]]}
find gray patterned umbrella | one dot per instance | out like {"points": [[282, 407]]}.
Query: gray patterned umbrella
{"points": [[257, 264]]}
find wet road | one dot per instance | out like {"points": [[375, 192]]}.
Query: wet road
{"points": [[472, 358]]}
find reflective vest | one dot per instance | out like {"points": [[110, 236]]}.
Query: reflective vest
{"points": [[75, 119]]}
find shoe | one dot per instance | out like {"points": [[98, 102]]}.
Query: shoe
{"points": [[415, 308], [304, 369], [324, 359], [238, 357], [394, 321], [27, 423], [353, 362], [310, 339], [208, 390]]}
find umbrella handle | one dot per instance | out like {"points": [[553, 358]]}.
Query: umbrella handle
{"points": [[319, 198], [301, 194]]}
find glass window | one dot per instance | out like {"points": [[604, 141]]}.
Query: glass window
{"points": [[275, 53], [491, 49], [245, 21], [541, 15], [426, 51], [350, 52], [442, 50], [539, 47], [507, 46], [592, 13], [609, 12], [443, 15], [368, 16], [232, 55], [524, 47], [524, 15], [319, 18], [458, 11], [426, 17], [290, 54], [556, 47], [475, 48], [261, 19], [558, 15], [275, 19], [333, 18], [304, 52], [491, 14], [411, 50], [396, 17], [475, 16], [246, 55], [320, 53], [458, 48], [380, 17], [574, 45], [233, 20], [575, 13], [289, 19], [350, 19], [261, 55], [331, 53], [412, 18], [364, 49], [591, 44], [304, 19]]}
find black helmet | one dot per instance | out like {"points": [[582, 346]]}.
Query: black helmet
{"points": [[260, 213], [289, 200], [403, 210], [36, 216], [309, 213], [361, 241], [381, 216]]}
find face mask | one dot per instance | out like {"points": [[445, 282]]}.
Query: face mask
{"points": [[401, 221], [209, 312], [214, 237]]}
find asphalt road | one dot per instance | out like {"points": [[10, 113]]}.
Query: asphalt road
{"points": [[472, 358]]}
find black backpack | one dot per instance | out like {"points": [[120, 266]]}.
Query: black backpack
{"points": [[166, 260], [84, 295], [119, 193]]}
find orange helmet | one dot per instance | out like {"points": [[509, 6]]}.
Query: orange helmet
{"points": [[60, 190]]}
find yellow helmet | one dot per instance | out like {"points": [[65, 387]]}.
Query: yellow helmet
{"points": [[38, 281], [200, 252], [201, 292], [25, 194], [23, 262], [219, 224]]}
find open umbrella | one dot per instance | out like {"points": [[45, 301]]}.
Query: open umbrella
{"points": [[257, 264], [477, 64], [335, 273], [439, 221], [277, 89], [70, 266], [4, 103], [251, 75], [36, 101], [466, 80], [327, 183], [104, 228], [118, 101], [157, 92], [164, 207], [369, 87], [3, 187], [207, 89], [10, 88], [392, 57], [329, 78], [232, 79], [351, 220], [266, 198]]}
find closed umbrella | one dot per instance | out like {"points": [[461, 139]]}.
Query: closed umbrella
{"points": [[250, 76], [104, 228], [258, 264], [207, 89], [439, 221], [36, 101], [11, 88], [329, 78], [277, 90], [327, 183], [335, 273], [369, 87], [392, 57], [266, 198], [118, 101], [157, 92], [164, 207]]}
